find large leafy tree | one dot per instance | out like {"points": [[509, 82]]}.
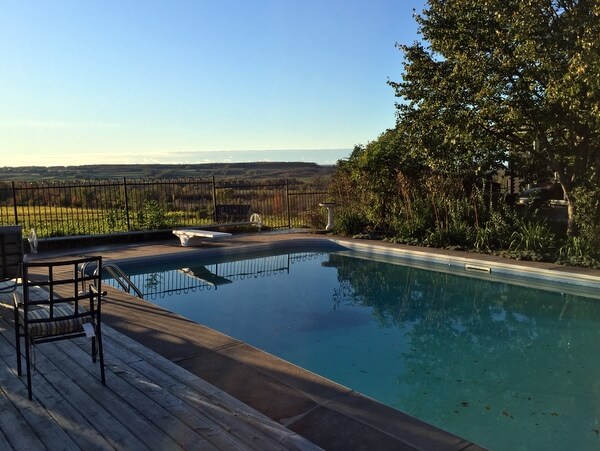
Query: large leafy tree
{"points": [[373, 172], [506, 80]]}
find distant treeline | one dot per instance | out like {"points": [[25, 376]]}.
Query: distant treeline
{"points": [[303, 173]]}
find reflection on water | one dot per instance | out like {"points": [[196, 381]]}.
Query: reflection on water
{"points": [[173, 278], [509, 367], [502, 365]]}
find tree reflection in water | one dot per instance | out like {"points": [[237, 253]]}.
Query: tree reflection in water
{"points": [[485, 358]]}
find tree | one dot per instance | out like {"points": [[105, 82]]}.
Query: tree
{"points": [[368, 179], [501, 80]]}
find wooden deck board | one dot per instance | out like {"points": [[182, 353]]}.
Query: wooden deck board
{"points": [[48, 430], [148, 402], [47, 393], [126, 408], [197, 407]]}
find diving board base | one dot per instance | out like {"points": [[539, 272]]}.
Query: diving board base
{"points": [[189, 237]]}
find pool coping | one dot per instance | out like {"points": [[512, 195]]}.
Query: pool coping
{"points": [[499, 265], [330, 415], [490, 264]]}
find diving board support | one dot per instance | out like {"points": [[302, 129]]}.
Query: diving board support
{"points": [[189, 237]]}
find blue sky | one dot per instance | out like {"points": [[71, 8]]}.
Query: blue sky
{"points": [[193, 81]]}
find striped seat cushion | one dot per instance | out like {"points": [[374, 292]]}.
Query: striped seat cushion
{"points": [[57, 326]]}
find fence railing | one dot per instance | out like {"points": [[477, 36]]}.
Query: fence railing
{"points": [[92, 207]]}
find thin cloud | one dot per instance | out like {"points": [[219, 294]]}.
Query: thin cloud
{"points": [[56, 124]]}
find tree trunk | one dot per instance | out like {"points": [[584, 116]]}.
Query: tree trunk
{"points": [[571, 208], [571, 224]]}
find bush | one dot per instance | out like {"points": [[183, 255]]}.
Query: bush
{"points": [[153, 216], [351, 224], [496, 233], [315, 218], [461, 234], [532, 240], [588, 218], [115, 220], [577, 252], [419, 206]]}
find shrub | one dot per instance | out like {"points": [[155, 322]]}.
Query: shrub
{"points": [[532, 239], [153, 216], [115, 220], [315, 218], [588, 218], [496, 233], [460, 234], [577, 252], [351, 223]]}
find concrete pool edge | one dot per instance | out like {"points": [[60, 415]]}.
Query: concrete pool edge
{"points": [[541, 271], [497, 265]]}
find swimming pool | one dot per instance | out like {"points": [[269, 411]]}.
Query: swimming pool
{"points": [[507, 366]]}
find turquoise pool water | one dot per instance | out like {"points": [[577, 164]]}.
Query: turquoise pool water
{"points": [[506, 366]]}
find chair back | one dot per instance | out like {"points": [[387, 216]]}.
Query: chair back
{"points": [[68, 290], [11, 257]]}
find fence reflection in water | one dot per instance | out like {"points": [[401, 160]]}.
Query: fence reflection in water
{"points": [[176, 278]]}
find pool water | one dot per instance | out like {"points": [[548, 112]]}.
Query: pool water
{"points": [[506, 366]]}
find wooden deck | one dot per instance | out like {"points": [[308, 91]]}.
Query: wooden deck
{"points": [[148, 402]]}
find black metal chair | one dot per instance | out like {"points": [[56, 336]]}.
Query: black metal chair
{"points": [[59, 300], [11, 257]]}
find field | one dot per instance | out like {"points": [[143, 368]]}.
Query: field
{"points": [[298, 174]]}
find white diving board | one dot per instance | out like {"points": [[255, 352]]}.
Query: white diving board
{"points": [[188, 237]]}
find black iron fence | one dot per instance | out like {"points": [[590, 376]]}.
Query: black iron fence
{"points": [[92, 207]]}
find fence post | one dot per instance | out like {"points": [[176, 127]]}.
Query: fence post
{"points": [[214, 196], [14, 193], [287, 199], [126, 203]]}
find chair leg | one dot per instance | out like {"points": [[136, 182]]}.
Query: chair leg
{"points": [[17, 335], [18, 346], [28, 363], [100, 353], [93, 349]]}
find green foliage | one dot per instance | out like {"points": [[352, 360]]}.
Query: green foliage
{"points": [[350, 224], [315, 218], [532, 241], [367, 181], [116, 221], [495, 234], [153, 216], [584, 250], [577, 252], [493, 77], [204, 213], [488, 81], [588, 217], [459, 235], [436, 213]]}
